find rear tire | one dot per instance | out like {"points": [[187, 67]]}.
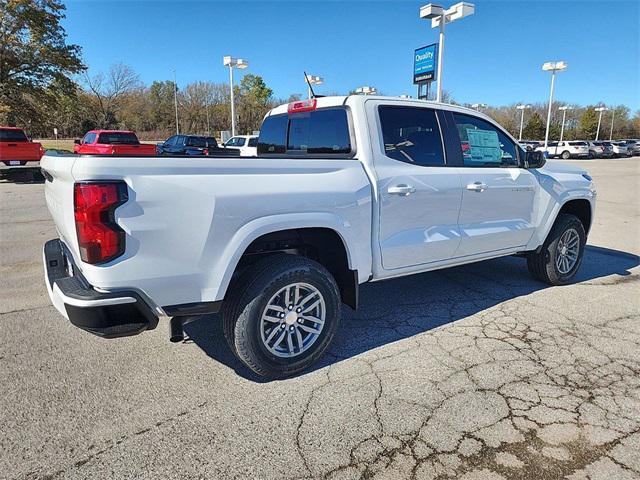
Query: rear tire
{"points": [[566, 155], [277, 347], [561, 254]]}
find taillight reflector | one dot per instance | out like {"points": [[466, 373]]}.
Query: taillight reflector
{"points": [[99, 237], [302, 106]]}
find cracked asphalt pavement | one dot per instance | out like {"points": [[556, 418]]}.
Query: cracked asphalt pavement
{"points": [[476, 372]]}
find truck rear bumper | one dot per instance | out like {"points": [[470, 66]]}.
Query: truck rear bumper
{"points": [[106, 314]]}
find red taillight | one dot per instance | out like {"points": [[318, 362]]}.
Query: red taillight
{"points": [[205, 151], [302, 106], [99, 237]]}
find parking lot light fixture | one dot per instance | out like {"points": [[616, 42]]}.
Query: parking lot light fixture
{"points": [[564, 109], [600, 109], [366, 90], [229, 61], [439, 18], [522, 108], [313, 80], [479, 106], [552, 67]]}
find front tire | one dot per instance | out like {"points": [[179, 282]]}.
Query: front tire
{"points": [[561, 254], [282, 314], [566, 155]]}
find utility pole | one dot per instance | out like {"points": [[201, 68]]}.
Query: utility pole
{"points": [[175, 100]]}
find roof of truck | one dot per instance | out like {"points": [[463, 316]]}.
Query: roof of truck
{"points": [[334, 101], [110, 131]]}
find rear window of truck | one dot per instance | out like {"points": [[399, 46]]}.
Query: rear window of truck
{"points": [[118, 138], [10, 135], [319, 132]]}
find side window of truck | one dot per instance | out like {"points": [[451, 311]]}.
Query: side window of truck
{"points": [[321, 132], [273, 134], [89, 138], [484, 145], [411, 135]]}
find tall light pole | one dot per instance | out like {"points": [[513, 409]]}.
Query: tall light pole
{"points": [[600, 109], [552, 67], [175, 100], [439, 18], [613, 114], [366, 90], [522, 109], [229, 61], [564, 116], [313, 80]]}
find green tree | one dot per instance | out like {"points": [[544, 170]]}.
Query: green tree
{"points": [[253, 103], [534, 129], [160, 97], [33, 54], [589, 123]]}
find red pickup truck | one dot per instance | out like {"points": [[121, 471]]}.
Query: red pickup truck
{"points": [[16, 149], [113, 142]]}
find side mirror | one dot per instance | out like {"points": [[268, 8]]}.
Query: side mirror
{"points": [[534, 159], [77, 141]]}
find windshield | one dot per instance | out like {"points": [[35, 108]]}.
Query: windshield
{"points": [[118, 138], [10, 135]]}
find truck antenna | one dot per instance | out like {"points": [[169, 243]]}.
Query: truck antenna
{"points": [[306, 79]]}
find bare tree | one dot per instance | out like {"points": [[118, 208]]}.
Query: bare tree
{"points": [[110, 89]]}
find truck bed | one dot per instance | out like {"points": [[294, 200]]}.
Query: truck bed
{"points": [[187, 219]]}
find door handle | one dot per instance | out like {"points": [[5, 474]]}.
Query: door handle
{"points": [[402, 190], [477, 187]]}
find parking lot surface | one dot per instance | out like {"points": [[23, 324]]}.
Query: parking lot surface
{"points": [[476, 372]]}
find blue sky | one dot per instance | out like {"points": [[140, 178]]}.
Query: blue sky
{"points": [[492, 57]]}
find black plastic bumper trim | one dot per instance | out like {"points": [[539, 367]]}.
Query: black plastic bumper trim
{"points": [[107, 321], [197, 308]]}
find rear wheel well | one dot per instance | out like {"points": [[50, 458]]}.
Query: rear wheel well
{"points": [[323, 245], [580, 208]]}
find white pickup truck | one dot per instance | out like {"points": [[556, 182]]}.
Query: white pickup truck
{"points": [[345, 190]]}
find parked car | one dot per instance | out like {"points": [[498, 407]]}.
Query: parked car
{"points": [[193, 145], [620, 149], [246, 144], [633, 146], [607, 150], [596, 149], [279, 242], [566, 150], [16, 148], [112, 142]]}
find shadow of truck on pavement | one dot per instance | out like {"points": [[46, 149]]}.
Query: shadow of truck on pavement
{"points": [[400, 308]]}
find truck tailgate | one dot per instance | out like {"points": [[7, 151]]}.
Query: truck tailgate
{"points": [[20, 151], [142, 149], [58, 193]]}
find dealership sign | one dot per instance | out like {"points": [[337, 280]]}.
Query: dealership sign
{"points": [[424, 64]]}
